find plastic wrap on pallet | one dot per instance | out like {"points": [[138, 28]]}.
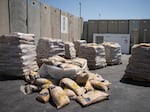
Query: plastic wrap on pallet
{"points": [[138, 66], [77, 45], [18, 54], [70, 51], [95, 55], [113, 53], [48, 47]]}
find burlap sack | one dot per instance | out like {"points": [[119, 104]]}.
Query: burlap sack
{"points": [[98, 85], [72, 85], [92, 97], [42, 81], [93, 76], [59, 97], [46, 85], [82, 78], [43, 96], [70, 93], [28, 89], [88, 86], [30, 78]]}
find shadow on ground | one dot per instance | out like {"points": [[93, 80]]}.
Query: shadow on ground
{"points": [[134, 82]]}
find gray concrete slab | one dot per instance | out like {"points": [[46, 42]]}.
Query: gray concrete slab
{"points": [[125, 95], [4, 17], [18, 15]]}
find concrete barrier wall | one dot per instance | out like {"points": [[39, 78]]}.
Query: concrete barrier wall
{"points": [[144, 33], [55, 23], [64, 19], [34, 18], [4, 17], [80, 28], [85, 30], [102, 26], [76, 28], [18, 15], [71, 23], [112, 26], [123, 26], [45, 30], [92, 28]]}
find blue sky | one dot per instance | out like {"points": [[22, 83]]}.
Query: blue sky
{"points": [[104, 9]]}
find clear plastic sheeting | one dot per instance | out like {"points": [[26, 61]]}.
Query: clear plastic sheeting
{"points": [[138, 67], [95, 55], [70, 51], [49, 47], [57, 67], [113, 53], [77, 45], [18, 54]]}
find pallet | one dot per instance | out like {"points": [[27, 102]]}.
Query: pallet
{"points": [[111, 64], [136, 78]]}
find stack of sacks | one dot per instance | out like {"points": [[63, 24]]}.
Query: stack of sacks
{"points": [[113, 53], [77, 45], [83, 90], [70, 51], [138, 67], [57, 67], [49, 47], [18, 54], [95, 55]]}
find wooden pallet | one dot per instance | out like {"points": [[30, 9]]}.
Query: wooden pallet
{"points": [[111, 64]]}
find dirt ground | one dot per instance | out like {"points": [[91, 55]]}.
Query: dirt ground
{"points": [[125, 95]]}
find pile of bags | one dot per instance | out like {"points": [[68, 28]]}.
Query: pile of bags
{"points": [[61, 80], [138, 67], [95, 55], [18, 54], [86, 88], [77, 45], [70, 51], [113, 53], [49, 47]]}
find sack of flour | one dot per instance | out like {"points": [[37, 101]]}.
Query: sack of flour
{"points": [[42, 81], [72, 85], [30, 78], [43, 96], [98, 85], [92, 97], [59, 97], [70, 93], [29, 88]]}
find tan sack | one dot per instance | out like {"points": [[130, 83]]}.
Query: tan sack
{"points": [[59, 97], [72, 85], [88, 86], [43, 96], [82, 78], [42, 81], [93, 76], [98, 85], [46, 85], [28, 89], [92, 97], [70, 93], [32, 76]]}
